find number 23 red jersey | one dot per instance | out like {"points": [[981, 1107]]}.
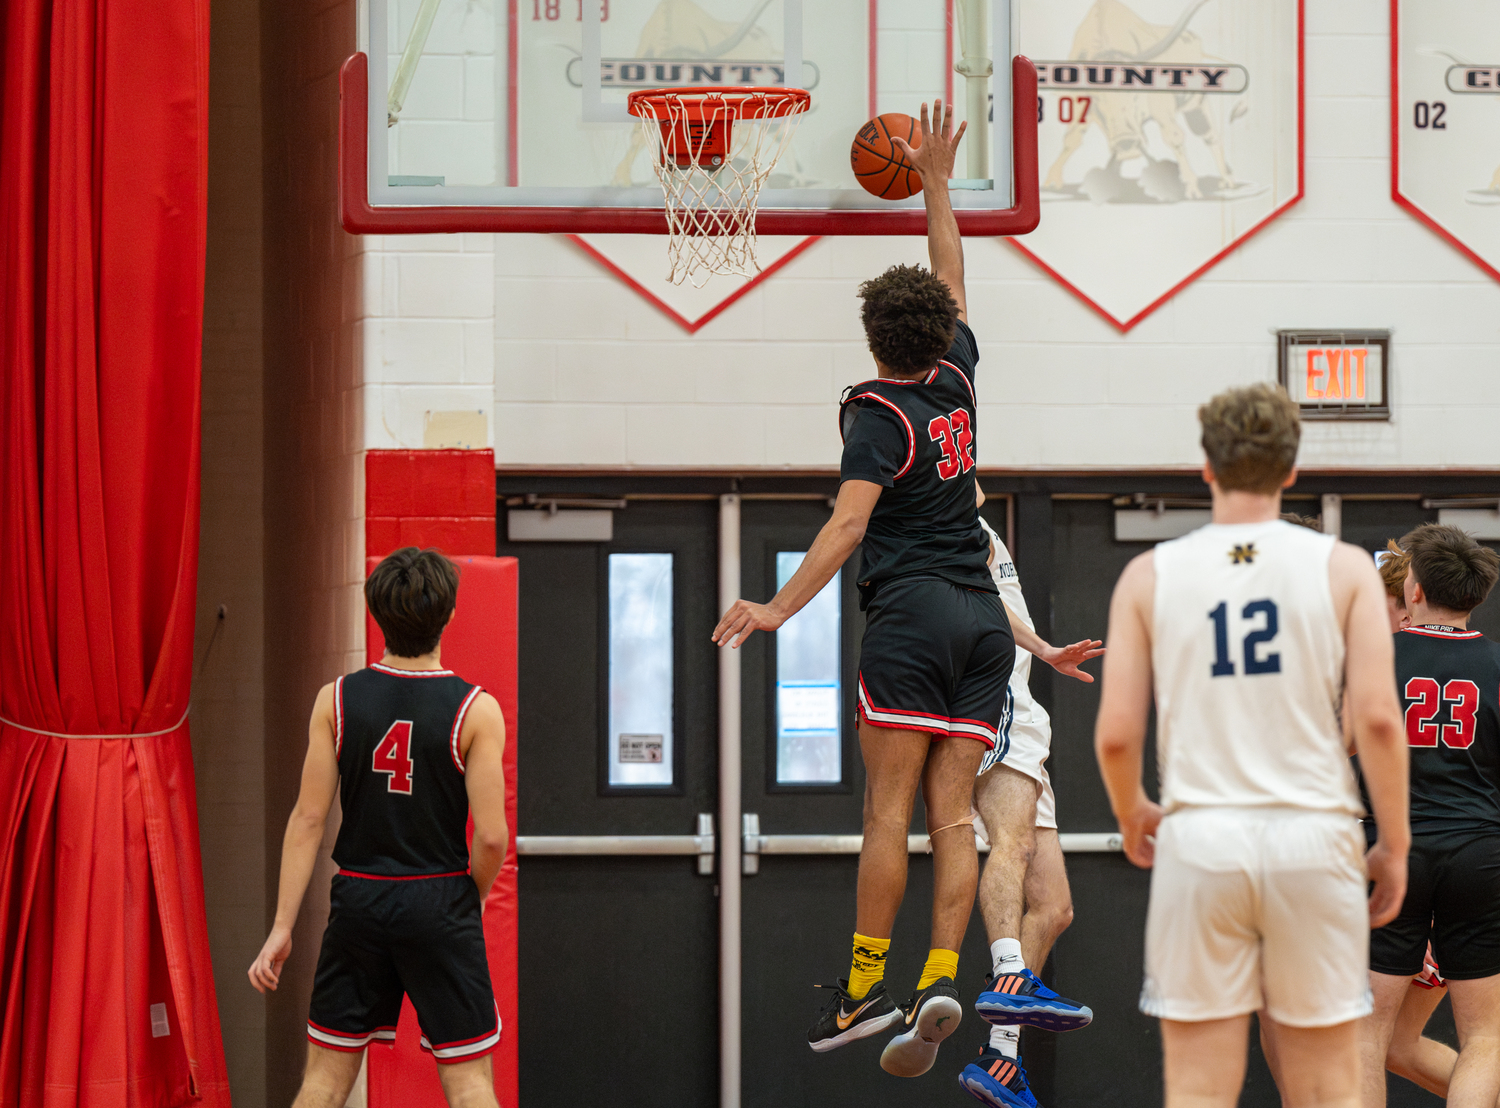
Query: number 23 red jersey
{"points": [[401, 773], [1449, 681]]}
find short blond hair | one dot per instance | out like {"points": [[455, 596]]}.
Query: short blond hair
{"points": [[1393, 569], [1250, 436]]}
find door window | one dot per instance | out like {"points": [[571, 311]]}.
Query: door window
{"points": [[640, 670], [809, 699]]}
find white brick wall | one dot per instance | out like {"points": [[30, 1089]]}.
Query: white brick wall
{"points": [[584, 372]]}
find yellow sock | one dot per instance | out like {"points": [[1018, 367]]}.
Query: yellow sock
{"points": [[940, 963], [868, 969]]}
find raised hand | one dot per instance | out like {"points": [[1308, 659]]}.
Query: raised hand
{"points": [[934, 158], [1067, 659]]}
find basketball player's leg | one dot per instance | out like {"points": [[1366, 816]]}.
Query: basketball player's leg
{"points": [[1204, 1061], [934, 1011], [1422, 1061], [1006, 800], [1313, 919], [894, 762], [469, 1084], [1318, 1067], [328, 1078], [1026, 904], [1376, 1031], [861, 1006], [1049, 898], [947, 791], [1476, 1013]]}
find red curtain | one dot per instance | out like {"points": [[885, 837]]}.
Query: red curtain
{"points": [[106, 991]]}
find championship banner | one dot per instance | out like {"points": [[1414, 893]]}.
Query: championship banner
{"points": [[1445, 121], [1170, 132]]}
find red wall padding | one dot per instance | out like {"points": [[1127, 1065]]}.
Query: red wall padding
{"points": [[480, 646]]}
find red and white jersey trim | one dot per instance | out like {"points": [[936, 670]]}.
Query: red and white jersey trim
{"points": [[1442, 632], [468, 1048], [458, 727], [341, 1040], [911, 439], [964, 378], [924, 721], [338, 718], [394, 672]]}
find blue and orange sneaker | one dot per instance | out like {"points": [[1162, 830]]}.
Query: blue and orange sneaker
{"points": [[994, 1079], [1022, 998]]}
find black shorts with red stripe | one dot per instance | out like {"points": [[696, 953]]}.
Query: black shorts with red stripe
{"points": [[936, 657], [419, 937]]}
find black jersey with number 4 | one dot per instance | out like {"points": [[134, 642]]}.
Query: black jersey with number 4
{"points": [[1449, 681], [917, 438], [401, 771]]}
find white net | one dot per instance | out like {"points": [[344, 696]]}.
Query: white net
{"points": [[711, 197]]}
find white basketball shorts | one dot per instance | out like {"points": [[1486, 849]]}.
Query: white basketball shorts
{"points": [[1258, 908], [1024, 747]]}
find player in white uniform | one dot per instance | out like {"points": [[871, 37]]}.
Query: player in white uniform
{"points": [[1016, 814], [1251, 629]]}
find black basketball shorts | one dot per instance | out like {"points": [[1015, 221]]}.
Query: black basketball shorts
{"points": [[936, 657], [420, 937], [1453, 898]]}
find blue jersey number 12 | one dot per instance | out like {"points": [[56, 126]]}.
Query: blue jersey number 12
{"points": [[1262, 635]]}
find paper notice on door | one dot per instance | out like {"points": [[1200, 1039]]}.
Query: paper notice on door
{"points": [[640, 748], [159, 1027]]}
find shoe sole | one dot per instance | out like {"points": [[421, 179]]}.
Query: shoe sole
{"points": [[977, 1089], [912, 1053], [862, 1030], [1046, 1016]]}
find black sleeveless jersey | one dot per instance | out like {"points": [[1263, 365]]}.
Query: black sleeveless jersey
{"points": [[401, 773], [918, 439], [1449, 681]]}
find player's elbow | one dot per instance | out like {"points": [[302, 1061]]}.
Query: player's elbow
{"points": [[308, 820], [1111, 740], [493, 839], [1381, 730]]}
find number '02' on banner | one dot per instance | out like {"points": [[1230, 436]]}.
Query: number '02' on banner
{"points": [[1445, 122]]}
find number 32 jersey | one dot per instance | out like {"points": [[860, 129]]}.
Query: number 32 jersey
{"points": [[401, 771], [1248, 657]]}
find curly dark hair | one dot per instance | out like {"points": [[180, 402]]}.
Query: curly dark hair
{"points": [[910, 318]]}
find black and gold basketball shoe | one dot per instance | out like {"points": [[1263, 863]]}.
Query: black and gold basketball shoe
{"points": [[845, 1019], [929, 1018]]}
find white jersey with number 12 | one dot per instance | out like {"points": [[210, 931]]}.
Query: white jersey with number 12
{"points": [[1248, 657]]}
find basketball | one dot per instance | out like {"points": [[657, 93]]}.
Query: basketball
{"points": [[879, 165]]}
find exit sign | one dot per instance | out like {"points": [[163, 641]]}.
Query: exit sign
{"points": [[1337, 374]]}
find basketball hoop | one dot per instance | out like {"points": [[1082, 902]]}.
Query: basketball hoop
{"points": [[712, 171]]}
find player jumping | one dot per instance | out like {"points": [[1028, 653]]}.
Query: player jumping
{"points": [[413, 750], [937, 651], [1250, 629], [1448, 677], [1023, 889]]}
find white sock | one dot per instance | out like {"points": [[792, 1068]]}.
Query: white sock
{"points": [[1006, 956], [1006, 1038]]}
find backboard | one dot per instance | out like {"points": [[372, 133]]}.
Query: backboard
{"points": [[509, 115]]}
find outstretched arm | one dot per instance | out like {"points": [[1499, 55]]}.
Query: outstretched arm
{"points": [[830, 550], [934, 161], [304, 835]]}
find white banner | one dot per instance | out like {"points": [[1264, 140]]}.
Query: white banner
{"points": [[1170, 131], [1445, 126]]}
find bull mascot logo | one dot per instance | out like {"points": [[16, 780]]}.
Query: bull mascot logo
{"points": [[1112, 32]]}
